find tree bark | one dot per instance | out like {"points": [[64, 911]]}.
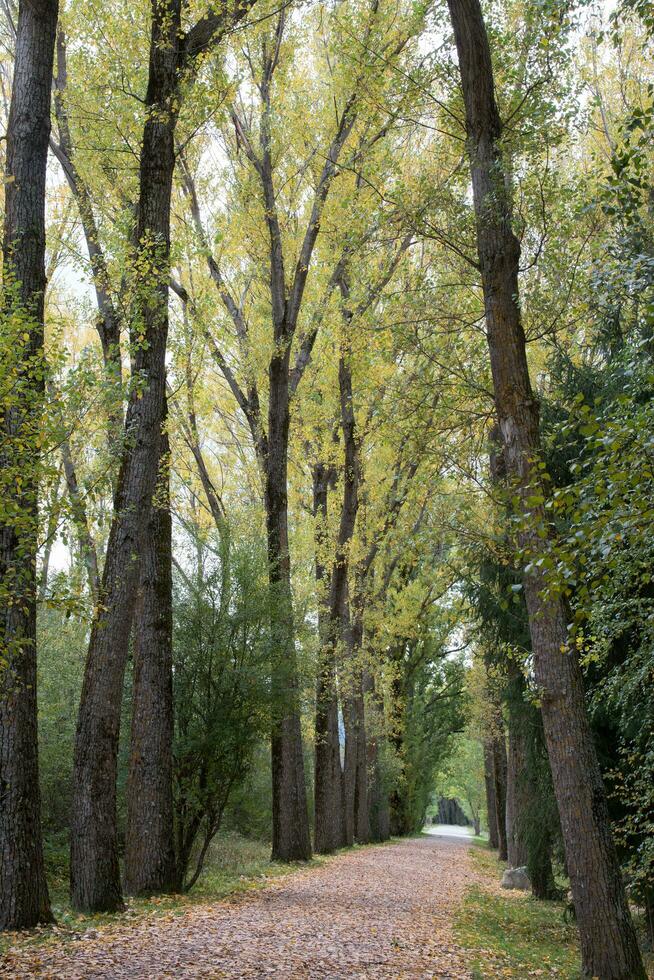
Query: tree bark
{"points": [[328, 782], [515, 789], [517, 782], [87, 548], [108, 323], [608, 941], [489, 779], [54, 510], [379, 813], [291, 840], [499, 782], [330, 797], [355, 769], [24, 897], [149, 839], [450, 812]]}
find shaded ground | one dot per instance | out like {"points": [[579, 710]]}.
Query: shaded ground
{"points": [[382, 912]]}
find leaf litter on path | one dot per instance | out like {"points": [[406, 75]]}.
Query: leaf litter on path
{"points": [[378, 912]]}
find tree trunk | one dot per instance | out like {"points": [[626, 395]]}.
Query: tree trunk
{"points": [[24, 897], [149, 844], [355, 780], [515, 797], [499, 783], [355, 771], [539, 868], [328, 826], [95, 877], [329, 798], [608, 941], [290, 830], [518, 788], [451, 812], [379, 814], [489, 778]]}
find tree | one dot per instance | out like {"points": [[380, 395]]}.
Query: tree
{"points": [[24, 897], [221, 695], [150, 865], [174, 54], [609, 946], [270, 158], [149, 861]]}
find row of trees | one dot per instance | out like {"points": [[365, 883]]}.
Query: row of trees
{"points": [[246, 314], [288, 381]]}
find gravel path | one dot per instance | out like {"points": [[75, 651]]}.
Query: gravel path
{"points": [[376, 912]]}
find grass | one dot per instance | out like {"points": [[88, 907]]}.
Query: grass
{"points": [[235, 865], [514, 935]]}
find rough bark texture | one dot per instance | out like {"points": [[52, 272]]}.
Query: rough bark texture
{"points": [[515, 791], [149, 838], [23, 891], [355, 788], [328, 783], [517, 782], [498, 761], [355, 769], [489, 779], [499, 781], [379, 811], [334, 792], [608, 941], [291, 840]]}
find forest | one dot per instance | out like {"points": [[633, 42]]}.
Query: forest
{"points": [[327, 461]]}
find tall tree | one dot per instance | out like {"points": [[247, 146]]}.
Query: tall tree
{"points": [[334, 790], [270, 436], [149, 834], [517, 797], [491, 811], [609, 947], [23, 891], [173, 59], [500, 767], [149, 852], [328, 775]]}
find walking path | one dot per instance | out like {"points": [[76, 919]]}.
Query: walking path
{"points": [[448, 830], [379, 912]]}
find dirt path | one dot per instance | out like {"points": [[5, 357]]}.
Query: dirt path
{"points": [[377, 912]]}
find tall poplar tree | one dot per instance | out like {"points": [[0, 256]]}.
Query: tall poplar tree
{"points": [[173, 59], [609, 947], [23, 891]]}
